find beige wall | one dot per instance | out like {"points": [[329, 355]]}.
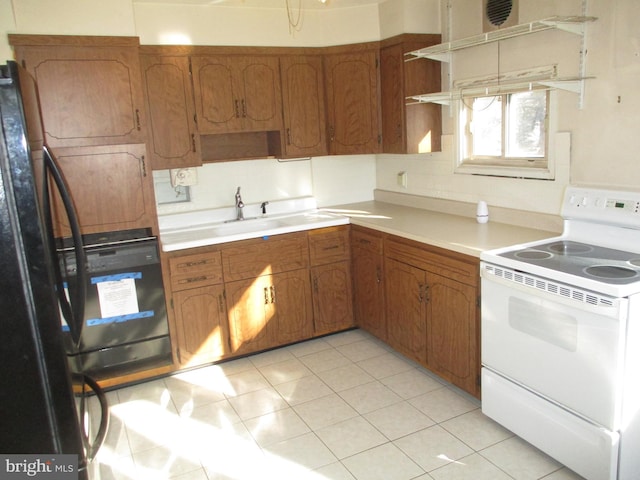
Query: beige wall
{"points": [[598, 144]]}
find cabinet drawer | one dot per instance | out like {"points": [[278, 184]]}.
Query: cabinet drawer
{"points": [[366, 240], [191, 271], [257, 257], [328, 245], [431, 261]]}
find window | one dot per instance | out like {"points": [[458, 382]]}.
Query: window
{"points": [[165, 192], [505, 134]]}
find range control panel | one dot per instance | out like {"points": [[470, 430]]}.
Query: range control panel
{"points": [[613, 207]]}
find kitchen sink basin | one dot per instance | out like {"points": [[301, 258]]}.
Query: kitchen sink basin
{"points": [[245, 226], [190, 236]]}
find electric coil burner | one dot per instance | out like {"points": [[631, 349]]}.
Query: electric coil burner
{"points": [[561, 336]]}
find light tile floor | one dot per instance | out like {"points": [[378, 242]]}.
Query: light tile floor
{"points": [[335, 408]]}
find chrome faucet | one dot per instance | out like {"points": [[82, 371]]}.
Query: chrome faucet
{"points": [[239, 206]]}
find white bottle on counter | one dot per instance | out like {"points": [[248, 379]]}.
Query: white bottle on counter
{"points": [[482, 212]]}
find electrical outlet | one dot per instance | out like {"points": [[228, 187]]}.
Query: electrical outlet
{"points": [[402, 179], [184, 177]]}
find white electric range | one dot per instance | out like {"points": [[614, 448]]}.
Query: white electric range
{"points": [[561, 336]]}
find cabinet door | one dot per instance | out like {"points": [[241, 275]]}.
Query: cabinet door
{"points": [[409, 128], [236, 94], [452, 332], [216, 95], [368, 286], [332, 297], [111, 188], [303, 106], [200, 325], [406, 309], [173, 140], [261, 105], [249, 311], [269, 311], [88, 95], [352, 103], [291, 309], [392, 103]]}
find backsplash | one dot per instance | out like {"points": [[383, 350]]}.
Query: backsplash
{"points": [[330, 180]]}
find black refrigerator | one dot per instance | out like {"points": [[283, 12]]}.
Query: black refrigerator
{"points": [[41, 401]]}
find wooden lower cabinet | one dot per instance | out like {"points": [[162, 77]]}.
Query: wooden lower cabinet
{"points": [[367, 267], [452, 336], [249, 312], [332, 291], [200, 319], [332, 297], [268, 292], [406, 309], [258, 294], [433, 309], [421, 300], [268, 311], [292, 313]]}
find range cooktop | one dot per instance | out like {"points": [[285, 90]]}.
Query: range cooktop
{"points": [[588, 261]]}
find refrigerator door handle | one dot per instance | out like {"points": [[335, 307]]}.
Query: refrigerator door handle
{"points": [[74, 306]]}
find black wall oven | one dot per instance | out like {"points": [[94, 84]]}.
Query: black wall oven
{"points": [[125, 320]]}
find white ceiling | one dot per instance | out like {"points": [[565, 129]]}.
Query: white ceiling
{"points": [[270, 3]]}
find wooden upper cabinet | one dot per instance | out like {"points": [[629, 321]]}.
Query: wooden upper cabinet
{"points": [[173, 136], [303, 106], [112, 189], [89, 88], [351, 81], [237, 93], [409, 128]]}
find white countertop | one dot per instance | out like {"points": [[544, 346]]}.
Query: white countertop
{"points": [[453, 232]]}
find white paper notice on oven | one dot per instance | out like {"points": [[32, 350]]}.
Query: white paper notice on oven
{"points": [[117, 295]]}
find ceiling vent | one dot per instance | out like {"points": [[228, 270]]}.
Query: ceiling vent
{"points": [[498, 14]]}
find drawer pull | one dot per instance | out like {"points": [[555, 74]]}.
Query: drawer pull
{"points": [[364, 241], [194, 279], [332, 247], [193, 264]]}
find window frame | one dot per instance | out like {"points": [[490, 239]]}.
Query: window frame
{"points": [[519, 167]]}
